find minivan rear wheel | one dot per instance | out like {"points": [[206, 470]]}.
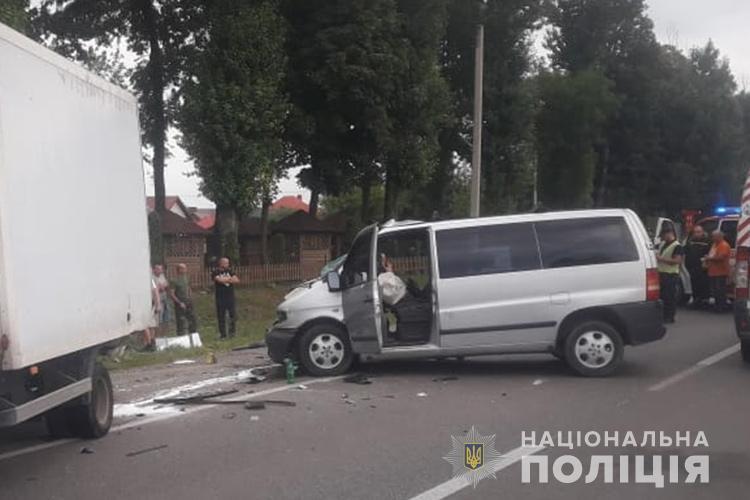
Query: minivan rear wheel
{"points": [[324, 350], [594, 348]]}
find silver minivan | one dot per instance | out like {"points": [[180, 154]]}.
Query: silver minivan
{"points": [[578, 285]]}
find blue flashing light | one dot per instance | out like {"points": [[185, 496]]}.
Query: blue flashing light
{"points": [[727, 210]]}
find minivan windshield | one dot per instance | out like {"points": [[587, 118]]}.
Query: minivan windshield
{"points": [[332, 265]]}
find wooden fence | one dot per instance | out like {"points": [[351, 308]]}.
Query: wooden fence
{"points": [[290, 271], [257, 274]]}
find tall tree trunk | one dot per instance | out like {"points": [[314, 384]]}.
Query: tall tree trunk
{"points": [[314, 198], [601, 178], [226, 230], [155, 112], [391, 196], [264, 228], [366, 201]]}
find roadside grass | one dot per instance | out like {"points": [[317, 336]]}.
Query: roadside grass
{"points": [[256, 311]]}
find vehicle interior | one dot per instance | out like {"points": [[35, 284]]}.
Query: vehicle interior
{"points": [[408, 321]]}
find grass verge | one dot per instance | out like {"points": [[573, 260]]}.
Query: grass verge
{"points": [[256, 311]]}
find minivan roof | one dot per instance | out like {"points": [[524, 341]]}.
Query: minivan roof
{"points": [[508, 219]]}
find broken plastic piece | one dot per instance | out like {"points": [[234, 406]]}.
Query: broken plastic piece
{"points": [[146, 450], [358, 378]]}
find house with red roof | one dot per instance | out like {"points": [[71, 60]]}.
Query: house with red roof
{"points": [[290, 203]]}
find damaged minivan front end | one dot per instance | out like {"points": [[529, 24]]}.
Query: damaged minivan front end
{"points": [[308, 302]]}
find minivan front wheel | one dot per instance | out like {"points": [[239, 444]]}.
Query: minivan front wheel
{"points": [[325, 350], [594, 348]]}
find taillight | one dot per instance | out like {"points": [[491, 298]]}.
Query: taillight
{"points": [[652, 284], [740, 273]]}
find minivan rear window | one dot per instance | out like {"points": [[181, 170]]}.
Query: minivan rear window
{"points": [[584, 242], [479, 250]]}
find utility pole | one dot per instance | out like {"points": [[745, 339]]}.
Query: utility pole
{"points": [[476, 155]]}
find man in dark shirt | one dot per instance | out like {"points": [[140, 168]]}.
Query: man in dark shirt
{"points": [[224, 281], [182, 297], [697, 248]]}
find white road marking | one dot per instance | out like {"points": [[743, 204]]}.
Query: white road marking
{"points": [[700, 365], [455, 485], [148, 407], [166, 416], [35, 448], [195, 409]]}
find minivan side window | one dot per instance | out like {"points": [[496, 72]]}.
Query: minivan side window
{"points": [[356, 268], [584, 242], [473, 251]]}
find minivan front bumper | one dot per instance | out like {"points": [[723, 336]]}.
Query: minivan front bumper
{"points": [[643, 321], [279, 342]]}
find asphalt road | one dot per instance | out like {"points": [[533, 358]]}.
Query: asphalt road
{"points": [[387, 439]]}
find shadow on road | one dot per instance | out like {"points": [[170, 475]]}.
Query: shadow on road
{"points": [[506, 366]]}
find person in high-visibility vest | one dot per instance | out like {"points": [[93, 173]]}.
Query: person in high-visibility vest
{"points": [[669, 258]]}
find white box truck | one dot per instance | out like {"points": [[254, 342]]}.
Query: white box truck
{"points": [[74, 248]]}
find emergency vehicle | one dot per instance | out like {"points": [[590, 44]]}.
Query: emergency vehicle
{"points": [[725, 219]]}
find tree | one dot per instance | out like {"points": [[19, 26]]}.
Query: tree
{"points": [[14, 13], [507, 148], [344, 60], [233, 109], [574, 109], [154, 30], [419, 104], [615, 37], [701, 133]]}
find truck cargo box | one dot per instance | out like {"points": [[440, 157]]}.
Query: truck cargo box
{"points": [[74, 249]]}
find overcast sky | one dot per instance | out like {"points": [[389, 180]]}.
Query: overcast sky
{"points": [[684, 23]]}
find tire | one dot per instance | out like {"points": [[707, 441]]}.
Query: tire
{"points": [[94, 418], [745, 349], [332, 342], [594, 348]]}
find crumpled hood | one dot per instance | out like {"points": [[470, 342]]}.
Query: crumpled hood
{"points": [[313, 294]]}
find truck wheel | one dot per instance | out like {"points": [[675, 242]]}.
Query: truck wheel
{"points": [[94, 418], [745, 349], [324, 350], [594, 349]]}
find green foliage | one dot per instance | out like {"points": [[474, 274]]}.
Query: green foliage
{"points": [[233, 108], [420, 105], [570, 122], [350, 204], [509, 101], [14, 13], [343, 62]]}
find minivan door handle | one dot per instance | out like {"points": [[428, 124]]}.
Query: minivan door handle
{"points": [[559, 298], [369, 301]]}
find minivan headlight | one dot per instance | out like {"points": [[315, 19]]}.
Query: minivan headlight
{"points": [[281, 316]]}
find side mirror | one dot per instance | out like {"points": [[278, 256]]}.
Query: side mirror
{"points": [[334, 281]]}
